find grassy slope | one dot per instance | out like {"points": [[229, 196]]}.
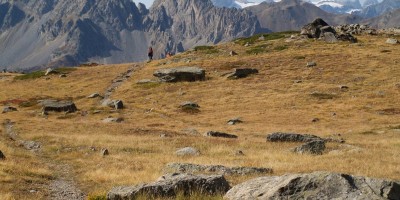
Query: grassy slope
{"points": [[268, 102]]}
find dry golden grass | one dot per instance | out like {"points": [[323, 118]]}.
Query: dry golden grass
{"points": [[267, 102]]}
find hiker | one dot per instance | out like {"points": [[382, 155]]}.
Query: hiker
{"points": [[150, 53]]}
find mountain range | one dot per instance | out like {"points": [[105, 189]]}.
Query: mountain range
{"points": [[36, 34]]}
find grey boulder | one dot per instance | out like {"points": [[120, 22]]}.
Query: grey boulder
{"points": [[291, 137], [170, 185], [315, 147], [316, 185], [58, 106], [242, 73], [180, 74], [392, 41], [220, 134]]}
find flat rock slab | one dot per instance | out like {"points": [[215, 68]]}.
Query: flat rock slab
{"points": [[242, 73], [180, 74], [392, 41], [58, 106], [291, 137], [220, 134], [317, 185], [30, 145], [315, 147], [170, 185], [187, 151], [215, 169]]}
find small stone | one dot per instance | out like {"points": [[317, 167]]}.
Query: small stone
{"points": [[49, 71], [9, 109], [247, 44], [189, 105], [297, 81], [32, 191], [112, 119], [239, 153], [344, 87], [63, 75], [104, 152], [233, 53], [311, 64], [94, 95], [187, 151], [392, 41], [118, 104], [315, 120], [2, 156], [234, 121]]}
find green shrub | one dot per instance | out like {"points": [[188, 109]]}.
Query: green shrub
{"points": [[267, 36]]}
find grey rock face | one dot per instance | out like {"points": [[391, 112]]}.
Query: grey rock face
{"points": [[170, 185], [317, 185], [2, 156], [8, 109], [58, 106], [220, 134], [187, 151], [181, 74], [110, 31], [242, 73], [314, 147], [330, 38], [215, 169], [291, 137]]}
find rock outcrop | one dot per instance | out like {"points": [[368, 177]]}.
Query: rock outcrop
{"points": [[58, 106], [317, 185], [220, 134], [319, 29], [214, 169], [170, 185], [180, 74], [316, 147], [242, 73], [291, 137]]}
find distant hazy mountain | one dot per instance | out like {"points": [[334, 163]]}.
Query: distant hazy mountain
{"points": [[42, 33], [388, 20], [380, 8], [293, 14], [236, 3]]}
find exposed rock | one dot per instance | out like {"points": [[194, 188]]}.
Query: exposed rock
{"points": [[220, 134], [330, 37], [242, 73], [233, 53], [311, 64], [215, 169], [189, 106], [234, 121], [118, 104], [63, 76], [291, 137], [113, 119], [239, 153], [315, 120], [392, 41], [94, 95], [50, 71], [316, 185], [314, 147], [58, 106], [319, 29], [181, 74], [187, 151], [355, 29], [170, 185], [2, 156], [104, 152], [30, 145], [8, 109]]}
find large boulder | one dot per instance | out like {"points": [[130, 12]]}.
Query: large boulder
{"points": [[313, 29], [58, 106], [317, 185], [315, 147], [215, 169], [319, 29], [291, 137], [181, 74], [170, 185]]}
